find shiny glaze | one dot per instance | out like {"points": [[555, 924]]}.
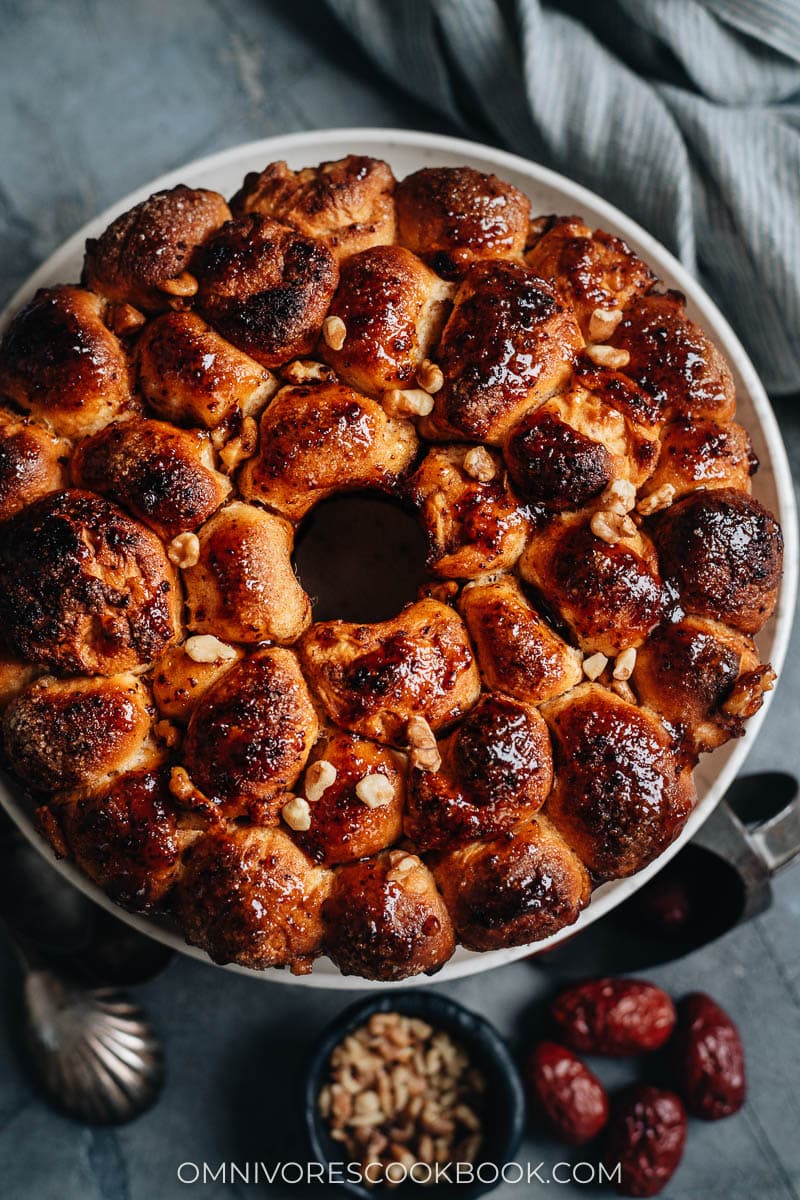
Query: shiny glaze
{"points": [[60, 363], [322, 439], [250, 735], [552, 463], [619, 797], [83, 587], [723, 552], [266, 288], [454, 215], [703, 453], [31, 462], [164, 476], [509, 339]]}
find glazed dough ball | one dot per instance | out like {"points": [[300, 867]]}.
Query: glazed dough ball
{"points": [[75, 733], [322, 439], [703, 678], [61, 364], [513, 890], [496, 770], [509, 344], [164, 476], [452, 216], [472, 526], [610, 595], [179, 680], [345, 826], [84, 588], [243, 589], [701, 453], [252, 897], [723, 553], [673, 360], [565, 453], [192, 376], [31, 462], [372, 679], [518, 652], [266, 288], [385, 920], [393, 308], [145, 257], [128, 837], [593, 270], [250, 735], [349, 204], [620, 796]]}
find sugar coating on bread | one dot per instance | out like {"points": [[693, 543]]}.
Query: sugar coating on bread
{"points": [[467, 770]]}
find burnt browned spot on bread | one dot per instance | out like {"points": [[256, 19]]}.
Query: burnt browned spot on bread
{"points": [[83, 587], [723, 552], [552, 463]]}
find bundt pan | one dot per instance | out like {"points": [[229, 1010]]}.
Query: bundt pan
{"points": [[605, 498]]}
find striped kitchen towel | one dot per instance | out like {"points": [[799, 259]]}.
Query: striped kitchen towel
{"points": [[684, 113]]}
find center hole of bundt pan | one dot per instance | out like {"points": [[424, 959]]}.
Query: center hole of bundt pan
{"points": [[360, 557]]}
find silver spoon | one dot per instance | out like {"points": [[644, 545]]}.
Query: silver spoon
{"points": [[93, 1050]]}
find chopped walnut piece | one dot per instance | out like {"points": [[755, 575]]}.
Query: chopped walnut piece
{"points": [[306, 371], [608, 356], [205, 648], [624, 690], [594, 666], [661, 498], [421, 741], [184, 551], [479, 464], [619, 497], [334, 332], [430, 377], [297, 814], [603, 322], [624, 664], [375, 791], [612, 527], [319, 777], [408, 402]]}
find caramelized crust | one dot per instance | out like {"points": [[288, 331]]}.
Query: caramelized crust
{"points": [[371, 679], [609, 595], [250, 735], [31, 462], [145, 256], [343, 826], [452, 216], [128, 838], [702, 453], [252, 897], [62, 365], [84, 588], [565, 453], [516, 889], [722, 551], [393, 308], [70, 733], [496, 770], [164, 476], [703, 678], [508, 344], [385, 920], [518, 652], [620, 795], [322, 439], [192, 376], [472, 527], [179, 681], [673, 360], [15, 675], [244, 588], [349, 203], [592, 270], [266, 288]]}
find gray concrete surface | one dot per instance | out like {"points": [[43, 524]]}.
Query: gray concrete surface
{"points": [[95, 98]]}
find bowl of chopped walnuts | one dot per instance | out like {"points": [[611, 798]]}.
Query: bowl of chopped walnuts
{"points": [[413, 1089]]}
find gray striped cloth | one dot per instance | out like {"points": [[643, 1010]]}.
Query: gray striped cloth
{"points": [[684, 113]]}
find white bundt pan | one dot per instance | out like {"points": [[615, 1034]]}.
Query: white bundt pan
{"points": [[549, 192]]}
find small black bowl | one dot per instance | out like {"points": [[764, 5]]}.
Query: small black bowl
{"points": [[504, 1118]]}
